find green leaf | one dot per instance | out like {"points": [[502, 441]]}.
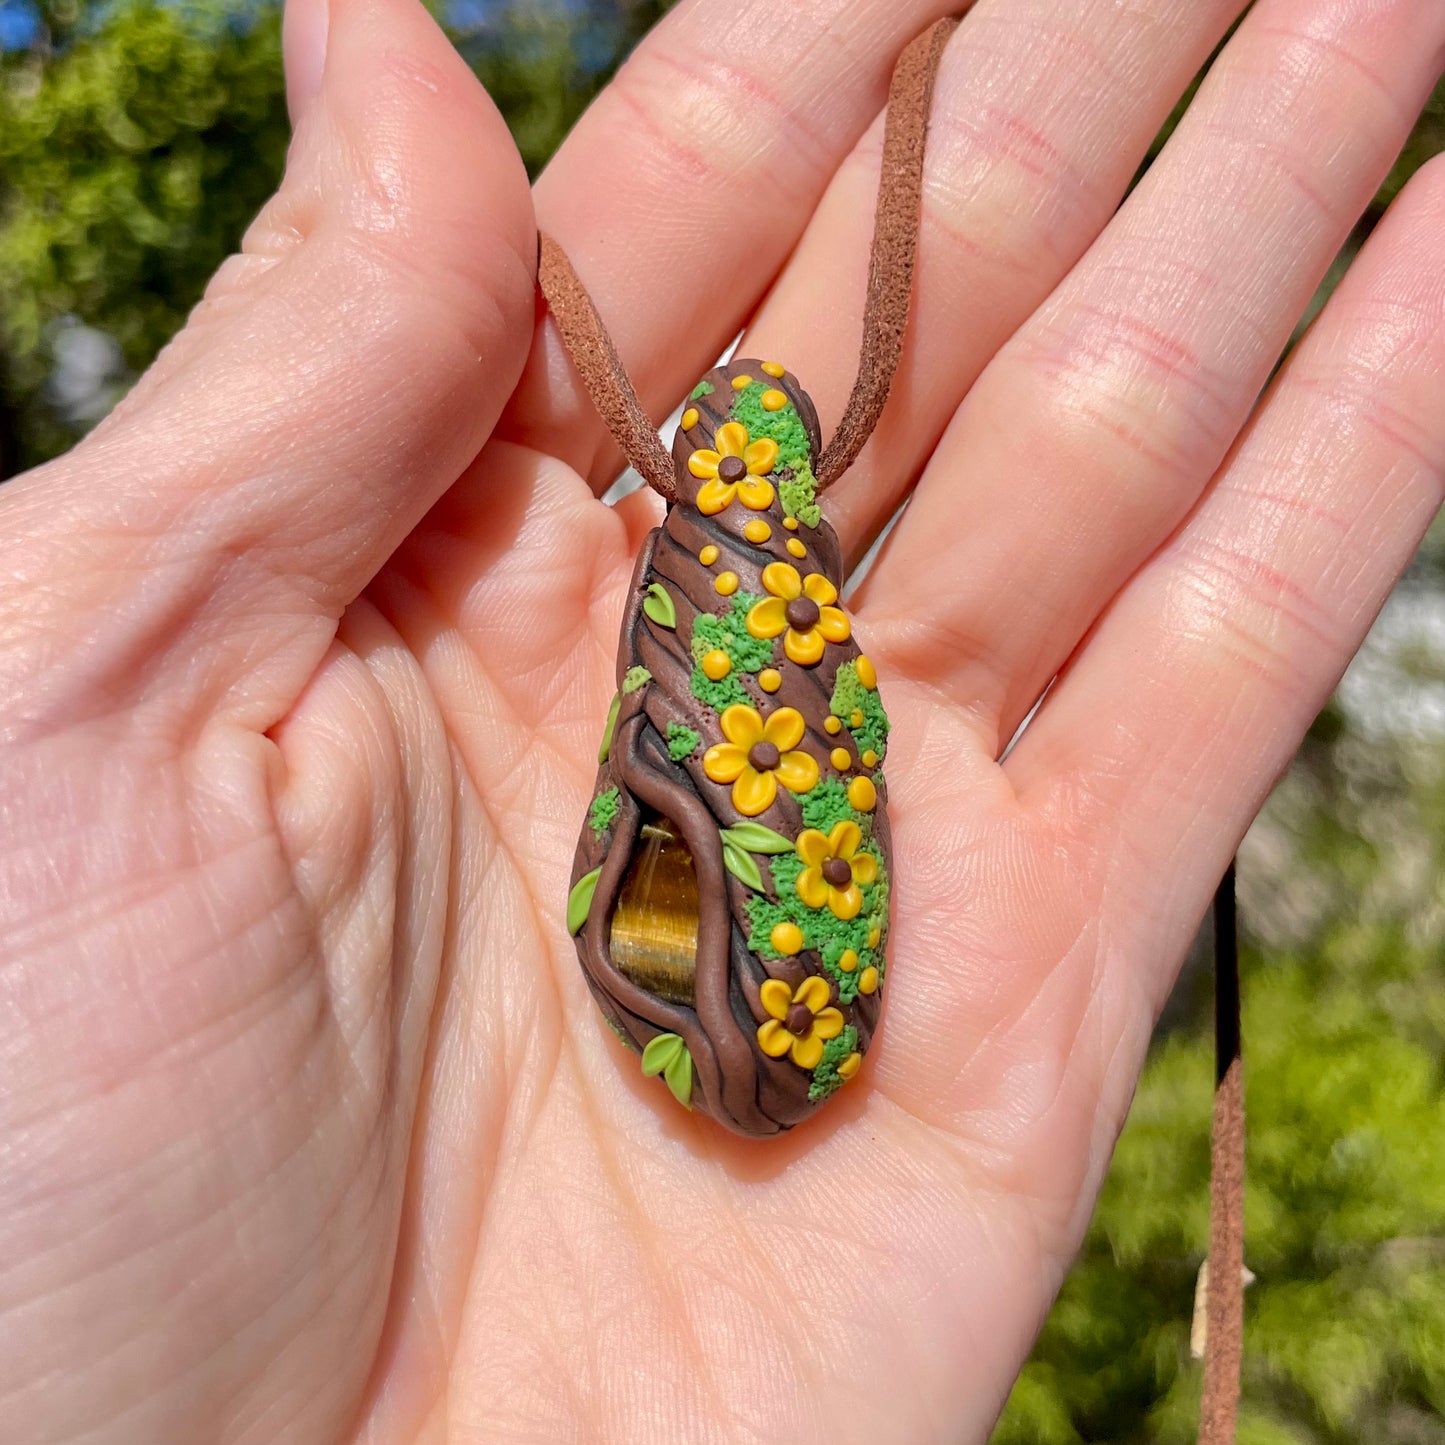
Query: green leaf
{"points": [[755, 838], [604, 748], [661, 1053], [742, 865], [659, 606], [635, 678], [678, 1075], [579, 900]]}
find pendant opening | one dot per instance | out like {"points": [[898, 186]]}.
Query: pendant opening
{"points": [[654, 925]]}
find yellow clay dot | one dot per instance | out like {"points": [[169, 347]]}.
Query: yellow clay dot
{"points": [[867, 675], [832, 724], [770, 679], [773, 399], [870, 758], [796, 547], [708, 555], [856, 720], [727, 583], [791, 523], [849, 961], [717, 664], [868, 980], [741, 381], [689, 418], [786, 938], [840, 759], [850, 1066], [757, 531], [773, 369], [862, 795], [875, 937]]}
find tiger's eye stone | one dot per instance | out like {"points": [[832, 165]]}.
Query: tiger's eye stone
{"points": [[654, 926]]}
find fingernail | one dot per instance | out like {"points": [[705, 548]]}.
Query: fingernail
{"points": [[303, 42]]}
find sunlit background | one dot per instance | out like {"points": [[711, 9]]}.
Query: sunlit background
{"points": [[137, 139]]}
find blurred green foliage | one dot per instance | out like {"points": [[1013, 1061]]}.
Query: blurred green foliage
{"points": [[136, 140]]}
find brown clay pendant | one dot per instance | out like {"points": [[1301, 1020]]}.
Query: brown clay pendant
{"points": [[730, 891]]}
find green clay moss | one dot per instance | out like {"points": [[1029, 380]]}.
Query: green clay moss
{"points": [[785, 426], [849, 695], [681, 742], [826, 935], [702, 389], [793, 472], [798, 491], [826, 1078], [717, 694], [603, 811], [827, 804], [730, 633]]}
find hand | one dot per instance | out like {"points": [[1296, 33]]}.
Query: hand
{"points": [[310, 1129]]}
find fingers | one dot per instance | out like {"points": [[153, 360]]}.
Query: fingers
{"points": [[685, 186], [1041, 116], [1093, 432], [338, 376], [1169, 728]]}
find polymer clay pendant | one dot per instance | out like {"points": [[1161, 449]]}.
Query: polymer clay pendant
{"points": [[730, 891]]}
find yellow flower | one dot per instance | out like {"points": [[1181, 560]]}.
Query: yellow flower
{"points": [[798, 1022], [801, 606], [758, 756], [730, 470], [834, 869]]}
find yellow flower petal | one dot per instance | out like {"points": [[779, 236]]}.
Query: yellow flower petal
{"points": [[768, 617], [846, 902], [804, 648], [782, 580], [850, 1066], [813, 847], [833, 624], [724, 761], [775, 997], [828, 1024], [812, 993], [731, 439], [715, 496], [703, 463], [773, 1039], [760, 456], [808, 1052], [812, 888], [865, 868], [845, 838], [741, 725], [798, 772], [757, 495], [753, 793], [819, 589], [785, 728]]}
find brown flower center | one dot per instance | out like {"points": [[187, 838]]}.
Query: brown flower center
{"points": [[802, 614], [799, 1020], [764, 756], [838, 872], [732, 469]]}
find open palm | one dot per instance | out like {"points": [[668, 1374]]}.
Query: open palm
{"points": [[309, 1129]]}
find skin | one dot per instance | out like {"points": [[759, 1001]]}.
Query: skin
{"points": [[309, 1130]]}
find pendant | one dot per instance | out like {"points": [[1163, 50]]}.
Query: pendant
{"points": [[730, 889]]}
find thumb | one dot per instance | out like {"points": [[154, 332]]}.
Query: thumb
{"points": [[338, 376]]}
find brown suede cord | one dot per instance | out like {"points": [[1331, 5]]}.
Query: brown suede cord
{"points": [[895, 248], [1224, 1342], [601, 370]]}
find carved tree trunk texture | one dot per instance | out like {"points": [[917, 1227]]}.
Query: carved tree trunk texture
{"points": [[735, 1081]]}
